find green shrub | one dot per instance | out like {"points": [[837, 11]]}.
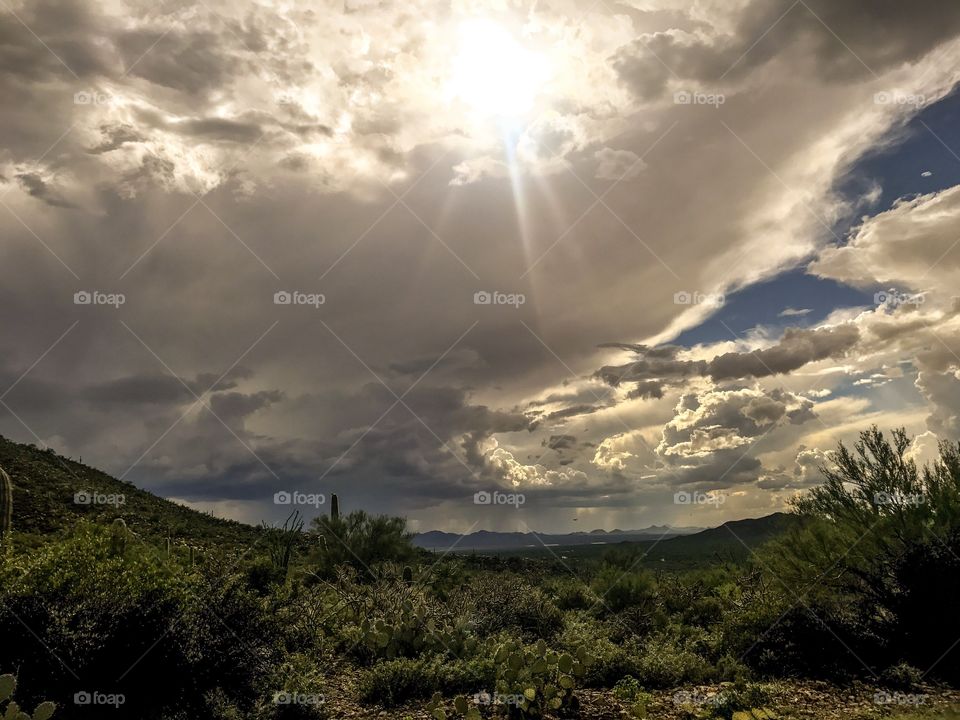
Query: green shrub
{"points": [[570, 593], [664, 663], [390, 618], [901, 677], [121, 620], [394, 682], [618, 590], [360, 541], [876, 562], [504, 602]]}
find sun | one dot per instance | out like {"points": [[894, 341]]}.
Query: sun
{"points": [[493, 73]]}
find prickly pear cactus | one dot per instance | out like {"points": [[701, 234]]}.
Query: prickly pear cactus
{"points": [[535, 679], [8, 683], [6, 508]]}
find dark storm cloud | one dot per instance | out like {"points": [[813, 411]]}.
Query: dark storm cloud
{"points": [[39, 188], [796, 348], [560, 442], [847, 41], [222, 129], [193, 62]]}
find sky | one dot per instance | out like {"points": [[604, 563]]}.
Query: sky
{"points": [[486, 265]]}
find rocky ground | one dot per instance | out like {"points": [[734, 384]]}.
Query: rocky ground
{"points": [[789, 701]]}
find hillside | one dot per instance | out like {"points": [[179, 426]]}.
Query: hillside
{"points": [[45, 486]]}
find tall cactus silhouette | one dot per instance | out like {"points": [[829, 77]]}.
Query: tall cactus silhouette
{"points": [[334, 507], [6, 508]]}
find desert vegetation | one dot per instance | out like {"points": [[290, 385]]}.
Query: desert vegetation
{"points": [[346, 618]]}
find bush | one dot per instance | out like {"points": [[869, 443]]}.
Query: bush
{"points": [[618, 590], [500, 602], [877, 560], [663, 663], [361, 541], [394, 682], [120, 618]]}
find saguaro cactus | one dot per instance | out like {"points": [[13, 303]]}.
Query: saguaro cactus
{"points": [[6, 508], [334, 507]]}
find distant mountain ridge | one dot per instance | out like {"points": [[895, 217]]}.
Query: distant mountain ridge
{"points": [[734, 538], [492, 540]]}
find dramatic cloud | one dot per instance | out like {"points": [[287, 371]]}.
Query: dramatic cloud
{"points": [[252, 247]]}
